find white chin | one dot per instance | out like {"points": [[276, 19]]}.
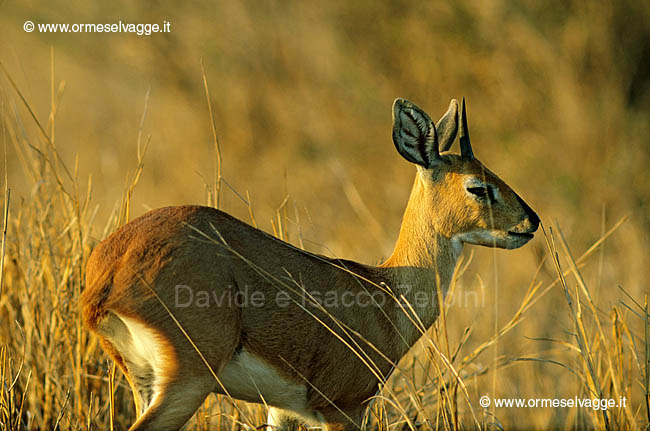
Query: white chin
{"points": [[515, 241], [494, 239]]}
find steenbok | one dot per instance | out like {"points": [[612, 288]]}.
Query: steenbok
{"points": [[189, 300]]}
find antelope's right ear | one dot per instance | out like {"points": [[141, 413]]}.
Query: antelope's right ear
{"points": [[414, 134]]}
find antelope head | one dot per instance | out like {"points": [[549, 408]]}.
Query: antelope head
{"points": [[461, 198]]}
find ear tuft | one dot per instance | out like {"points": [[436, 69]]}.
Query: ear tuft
{"points": [[414, 134]]}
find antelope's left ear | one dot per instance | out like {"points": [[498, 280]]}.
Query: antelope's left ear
{"points": [[414, 134], [447, 126]]}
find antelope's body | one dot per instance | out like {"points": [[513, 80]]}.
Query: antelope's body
{"points": [[189, 300]]}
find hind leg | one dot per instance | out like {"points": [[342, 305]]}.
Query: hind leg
{"points": [[168, 378], [172, 385], [117, 358], [173, 404], [172, 394]]}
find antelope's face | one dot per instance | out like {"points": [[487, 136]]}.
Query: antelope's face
{"points": [[477, 207], [468, 202]]}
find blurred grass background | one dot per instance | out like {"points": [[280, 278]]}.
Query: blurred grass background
{"points": [[558, 102]]}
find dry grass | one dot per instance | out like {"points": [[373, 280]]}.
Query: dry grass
{"points": [[299, 102]]}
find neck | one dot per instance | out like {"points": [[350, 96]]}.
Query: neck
{"points": [[423, 261]]}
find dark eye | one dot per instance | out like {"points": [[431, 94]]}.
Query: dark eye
{"points": [[482, 192]]}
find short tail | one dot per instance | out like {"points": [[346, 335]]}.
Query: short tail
{"points": [[94, 298]]}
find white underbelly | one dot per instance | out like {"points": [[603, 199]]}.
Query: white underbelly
{"points": [[247, 377]]}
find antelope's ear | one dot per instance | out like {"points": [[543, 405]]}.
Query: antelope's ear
{"points": [[414, 134], [447, 126]]}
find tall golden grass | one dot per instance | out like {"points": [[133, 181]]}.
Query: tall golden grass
{"points": [[98, 128]]}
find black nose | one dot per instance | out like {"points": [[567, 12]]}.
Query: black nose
{"points": [[532, 215]]}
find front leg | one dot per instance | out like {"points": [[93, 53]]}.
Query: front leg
{"points": [[346, 420], [281, 420]]}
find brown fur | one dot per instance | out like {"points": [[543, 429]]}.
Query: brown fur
{"points": [[206, 249]]}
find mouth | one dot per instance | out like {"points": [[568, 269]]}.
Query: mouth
{"points": [[521, 235]]}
